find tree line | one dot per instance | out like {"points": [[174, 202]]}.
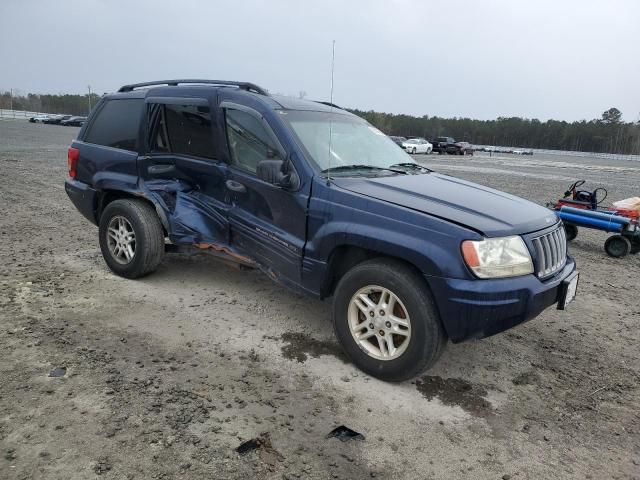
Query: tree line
{"points": [[607, 134], [70, 104]]}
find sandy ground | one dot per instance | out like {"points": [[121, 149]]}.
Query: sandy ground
{"points": [[167, 375]]}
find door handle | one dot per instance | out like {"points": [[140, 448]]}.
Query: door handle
{"points": [[235, 186], [161, 169]]}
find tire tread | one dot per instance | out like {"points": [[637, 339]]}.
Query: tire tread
{"points": [[152, 233], [434, 345]]}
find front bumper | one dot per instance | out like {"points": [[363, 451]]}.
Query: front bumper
{"points": [[83, 197], [480, 308]]}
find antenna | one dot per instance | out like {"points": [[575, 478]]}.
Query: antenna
{"points": [[333, 61]]}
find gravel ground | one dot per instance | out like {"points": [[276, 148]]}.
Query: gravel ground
{"points": [[165, 376]]}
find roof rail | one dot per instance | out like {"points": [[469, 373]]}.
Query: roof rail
{"points": [[329, 104], [249, 87]]}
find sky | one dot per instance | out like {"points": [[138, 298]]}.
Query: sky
{"points": [[562, 59]]}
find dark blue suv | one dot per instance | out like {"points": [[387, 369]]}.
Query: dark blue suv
{"points": [[322, 202]]}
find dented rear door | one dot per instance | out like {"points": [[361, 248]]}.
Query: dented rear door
{"points": [[182, 171]]}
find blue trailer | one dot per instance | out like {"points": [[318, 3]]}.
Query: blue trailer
{"points": [[627, 231]]}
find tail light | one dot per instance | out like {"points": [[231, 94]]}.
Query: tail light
{"points": [[72, 161]]}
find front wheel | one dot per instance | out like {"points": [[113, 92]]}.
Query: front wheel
{"points": [[386, 321], [131, 238]]}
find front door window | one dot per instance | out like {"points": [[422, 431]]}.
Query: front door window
{"points": [[249, 141]]}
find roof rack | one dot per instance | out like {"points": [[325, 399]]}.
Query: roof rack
{"points": [[329, 104], [249, 87]]}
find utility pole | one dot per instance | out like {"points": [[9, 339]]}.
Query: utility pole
{"points": [[89, 87], [11, 102]]}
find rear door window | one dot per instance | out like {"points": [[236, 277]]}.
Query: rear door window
{"points": [[184, 129], [117, 124]]}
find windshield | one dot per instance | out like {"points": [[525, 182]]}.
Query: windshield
{"points": [[353, 141]]}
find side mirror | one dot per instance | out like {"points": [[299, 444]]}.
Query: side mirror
{"points": [[279, 173]]}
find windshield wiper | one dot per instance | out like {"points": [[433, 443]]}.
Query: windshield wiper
{"points": [[345, 168], [413, 166]]}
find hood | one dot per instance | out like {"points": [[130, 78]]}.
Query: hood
{"points": [[488, 211]]}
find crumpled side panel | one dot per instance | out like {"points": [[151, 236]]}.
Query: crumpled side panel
{"points": [[192, 217]]}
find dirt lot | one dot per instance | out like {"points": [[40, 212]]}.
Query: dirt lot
{"points": [[166, 376]]}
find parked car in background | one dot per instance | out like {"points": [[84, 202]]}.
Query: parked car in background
{"points": [[443, 145], [417, 145], [465, 148], [51, 119], [39, 118], [56, 119], [398, 140], [74, 121]]}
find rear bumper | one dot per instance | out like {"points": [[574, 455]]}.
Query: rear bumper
{"points": [[83, 197], [481, 308]]}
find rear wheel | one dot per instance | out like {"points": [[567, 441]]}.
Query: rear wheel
{"points": [[131, 238], [617, 246], [571, 231], [413, 150], [386, 321]]}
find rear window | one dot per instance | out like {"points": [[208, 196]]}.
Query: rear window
{"points": [[116, 124]]}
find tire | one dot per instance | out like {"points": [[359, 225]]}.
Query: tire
{"points": [[413, 151], [617, 246], [429, 150], [426, 340], [136, 216], [571, 231]]}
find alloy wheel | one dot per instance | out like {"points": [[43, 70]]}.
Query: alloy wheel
{"points": [[121, 240], [379, 322]]}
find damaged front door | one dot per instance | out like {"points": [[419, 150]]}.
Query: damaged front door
{"points": [[265, 219], [182, 172]]}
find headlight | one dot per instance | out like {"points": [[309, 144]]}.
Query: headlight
{"points": [[497, 257]]}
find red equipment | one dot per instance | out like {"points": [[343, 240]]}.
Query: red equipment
{"points": [[590, 201]]}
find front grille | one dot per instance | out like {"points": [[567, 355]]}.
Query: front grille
{"points": [[551, 252]]}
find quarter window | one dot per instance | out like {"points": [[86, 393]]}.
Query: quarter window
{"points": [[117, 124], [184, 129], [249, 140]]}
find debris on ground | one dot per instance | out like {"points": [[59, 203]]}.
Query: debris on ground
{"points": [[58, 372], [261, 441], [268, 455], [102, 466], [526, 378], [344, 434]]}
